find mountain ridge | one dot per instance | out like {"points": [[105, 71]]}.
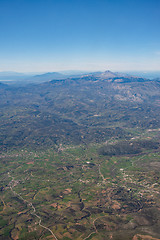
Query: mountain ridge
{"points": [[77, 110], [23, 79]]}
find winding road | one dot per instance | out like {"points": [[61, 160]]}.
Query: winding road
{"points": [[13, 183], [31, 205]]}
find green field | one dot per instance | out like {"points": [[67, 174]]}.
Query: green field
{"points": [[79, 193]]}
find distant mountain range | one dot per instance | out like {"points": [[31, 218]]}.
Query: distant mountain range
{"points": [[23, 79]]}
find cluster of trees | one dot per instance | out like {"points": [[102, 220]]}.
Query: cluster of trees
{"points": [[76, 111], [127, 147]]}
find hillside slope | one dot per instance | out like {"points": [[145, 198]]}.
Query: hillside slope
{"points": [[77, 110]]}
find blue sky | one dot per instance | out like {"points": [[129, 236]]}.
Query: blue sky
{"points": [[55, 35]]}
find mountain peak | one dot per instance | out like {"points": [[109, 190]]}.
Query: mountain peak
{"points": [[108, 71], [108, 74]]}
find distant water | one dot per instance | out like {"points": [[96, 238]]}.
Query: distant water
{"points": [[6, 80]]}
